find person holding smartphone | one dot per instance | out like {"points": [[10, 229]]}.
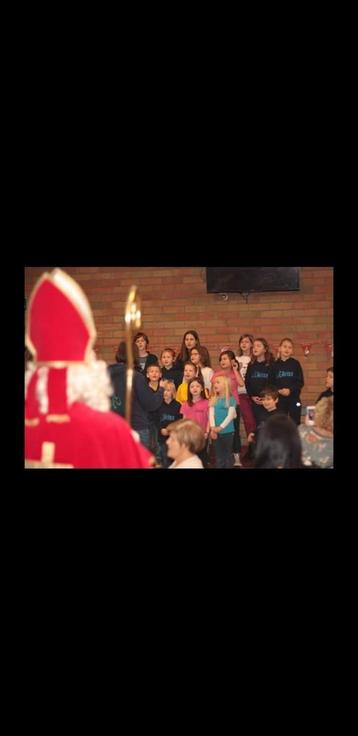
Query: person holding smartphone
{"points": [[310, 416], [317, 439]]}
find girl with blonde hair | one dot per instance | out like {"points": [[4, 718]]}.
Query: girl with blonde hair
{"points": [[317, 440], [222, 413]]}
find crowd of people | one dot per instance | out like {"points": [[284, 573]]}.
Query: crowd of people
{"points": [[185, 413]]}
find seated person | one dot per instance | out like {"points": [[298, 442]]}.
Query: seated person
{"points": [[185, 440], [317, 440], [329, 386]]}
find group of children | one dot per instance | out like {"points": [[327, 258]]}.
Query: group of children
{"points": [[252, 384]]}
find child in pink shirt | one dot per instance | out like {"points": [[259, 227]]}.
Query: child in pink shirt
{"points": [[226, 360], [196, 408]]}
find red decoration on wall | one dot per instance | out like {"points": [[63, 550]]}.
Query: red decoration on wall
{"points": [[306, 349]]}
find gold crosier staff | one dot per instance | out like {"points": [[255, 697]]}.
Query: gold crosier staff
{"points": [[132, 319]]}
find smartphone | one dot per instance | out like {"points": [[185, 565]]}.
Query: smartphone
{"points": [[310, 415]]}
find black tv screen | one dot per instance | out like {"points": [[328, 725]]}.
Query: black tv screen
{"points": [[221, 280]]}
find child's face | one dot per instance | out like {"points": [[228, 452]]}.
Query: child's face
{"points": [[245, 345], [329, 380], [286, 350], [225, 361], [218, 386], [168, 395], [153, 373], [195, 356], [269, 403], [189, 372], [195, 389], [167, 360], [190, 341], [141, 343], [258, 349]]}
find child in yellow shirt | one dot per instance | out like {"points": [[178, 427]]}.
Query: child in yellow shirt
{"points": [[189, 373]]}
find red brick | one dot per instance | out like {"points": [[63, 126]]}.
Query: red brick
{"points": [[174, 300]]}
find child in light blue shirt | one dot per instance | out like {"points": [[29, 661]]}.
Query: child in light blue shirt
{"points": [[222, 413]]}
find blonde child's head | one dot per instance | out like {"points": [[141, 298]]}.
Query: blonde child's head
{"points": [[169, 392], [154, 372], [221, 389]]}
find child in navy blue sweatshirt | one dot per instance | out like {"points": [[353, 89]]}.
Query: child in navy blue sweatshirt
{"points": [[168, 412], [259, 375], [288, 378]]}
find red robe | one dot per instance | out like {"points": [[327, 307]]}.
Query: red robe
{"points": [[77, 436]]}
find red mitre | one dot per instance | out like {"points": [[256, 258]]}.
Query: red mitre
{"points": [[60, 327]]}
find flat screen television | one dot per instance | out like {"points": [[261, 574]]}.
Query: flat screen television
{"points": [[244, 280]]}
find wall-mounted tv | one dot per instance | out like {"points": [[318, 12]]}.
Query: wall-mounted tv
{"points": [[244, 280]]}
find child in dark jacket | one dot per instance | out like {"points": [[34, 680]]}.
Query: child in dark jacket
{"points": [[270, 398], [153, 376], [168, 412], [145, 358], [144, 400], [288, 378], [258, 375], [169, 372]]}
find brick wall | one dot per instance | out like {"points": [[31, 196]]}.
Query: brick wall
{"points": [[174, 300]]}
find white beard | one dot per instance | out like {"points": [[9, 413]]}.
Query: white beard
{"points": [[89, 384]]}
